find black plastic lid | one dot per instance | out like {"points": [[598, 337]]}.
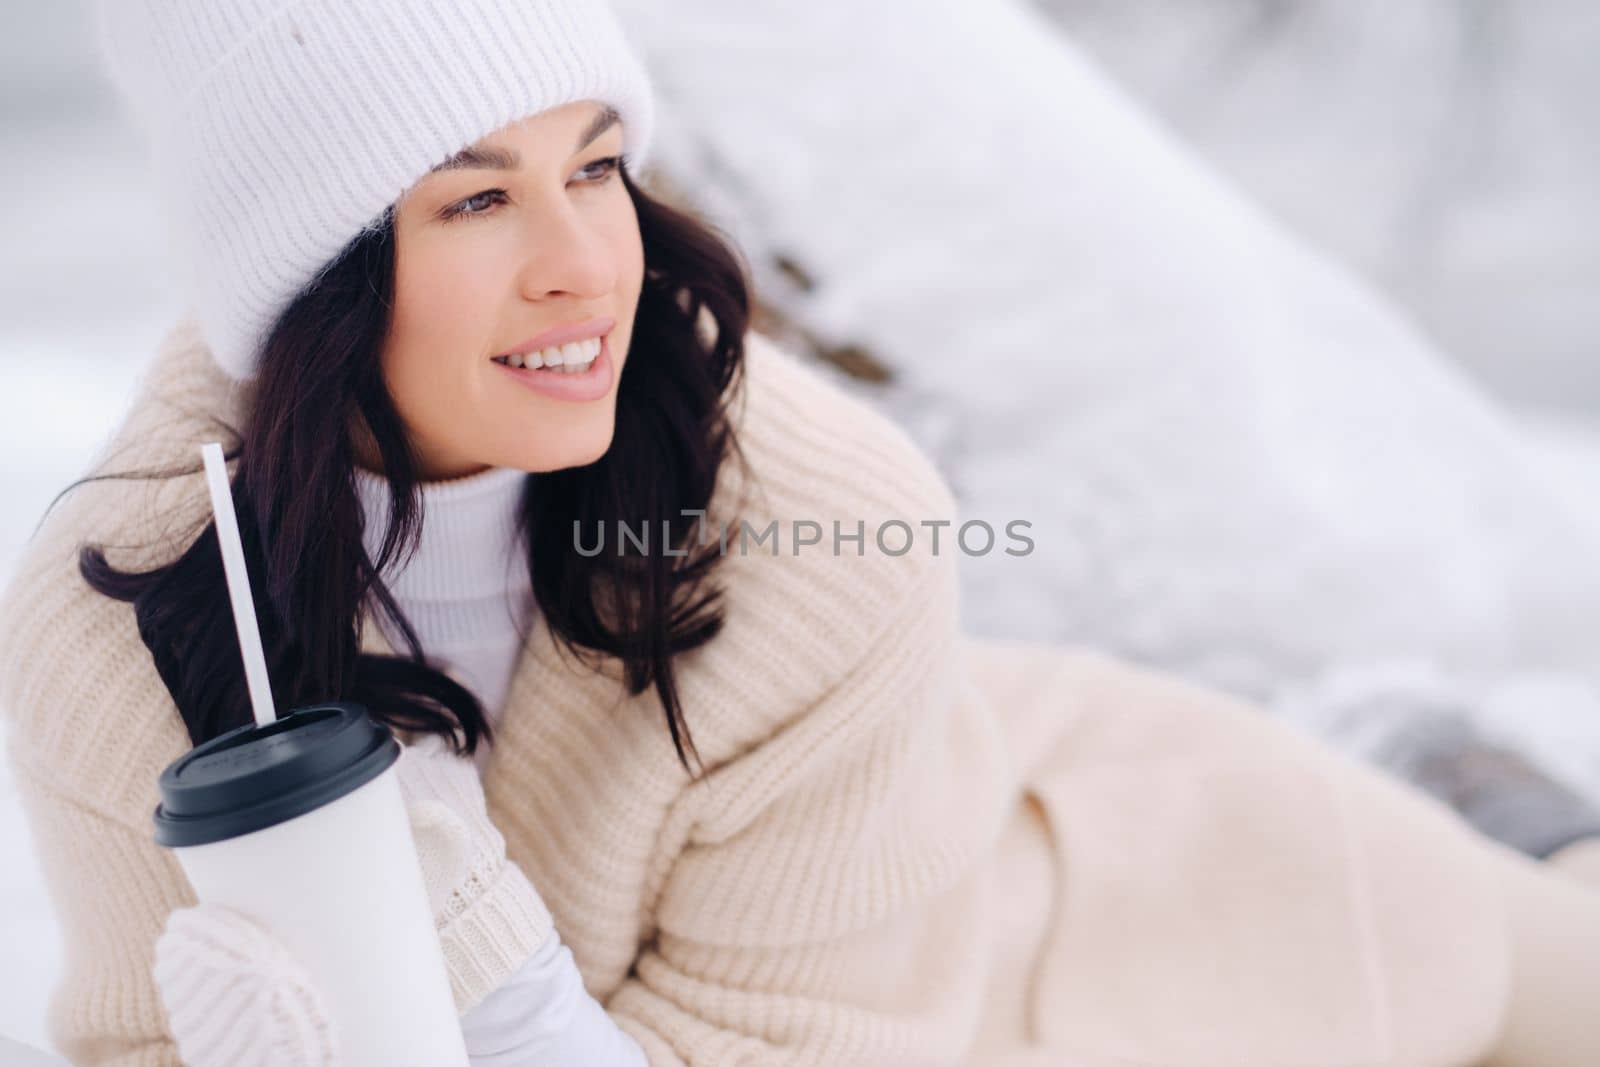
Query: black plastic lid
{"points": [[259, 776]]}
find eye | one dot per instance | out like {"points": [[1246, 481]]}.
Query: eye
{"points": [[597, 173], [460, 208], [603, 169]]}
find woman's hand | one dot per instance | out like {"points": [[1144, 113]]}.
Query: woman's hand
{"points": [[490, 917], [235, 995]]}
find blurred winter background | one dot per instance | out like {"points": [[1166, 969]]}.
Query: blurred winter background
{"points": [[1286, 343]]}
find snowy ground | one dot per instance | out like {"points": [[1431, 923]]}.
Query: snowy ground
{"points": [[86, 297]]}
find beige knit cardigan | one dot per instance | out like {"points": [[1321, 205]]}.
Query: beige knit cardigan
{"points": [[911, 847]]}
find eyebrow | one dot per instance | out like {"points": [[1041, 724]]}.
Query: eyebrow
{"points": [[508, 159]]}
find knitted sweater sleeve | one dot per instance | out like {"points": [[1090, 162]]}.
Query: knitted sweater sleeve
{"points": [[89, 727], [111, 890], [828, 902], [86, 746], [828, 906]]}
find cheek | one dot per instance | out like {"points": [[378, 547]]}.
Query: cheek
{"points": [[627, 247], [436, 337]]}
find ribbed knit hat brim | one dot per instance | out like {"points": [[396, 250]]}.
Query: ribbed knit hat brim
{"points": [[279, 131]]}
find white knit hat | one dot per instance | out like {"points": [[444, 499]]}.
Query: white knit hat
{"points": [[280, 130]]}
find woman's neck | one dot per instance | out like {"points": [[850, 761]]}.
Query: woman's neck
{"points": [[431, 465], [466, 591], [471, 535]]}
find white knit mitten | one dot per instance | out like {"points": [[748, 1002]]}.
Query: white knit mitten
{"points": [[234, 995], [490, 917]]}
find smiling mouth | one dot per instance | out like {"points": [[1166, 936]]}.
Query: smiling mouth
{"points": [[575, 357]]}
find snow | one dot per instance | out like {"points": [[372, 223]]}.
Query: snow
{"points": [[1446, 150], [1242, 460]]}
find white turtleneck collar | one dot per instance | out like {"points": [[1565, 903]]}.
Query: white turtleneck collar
{"points": [[466, 590]]}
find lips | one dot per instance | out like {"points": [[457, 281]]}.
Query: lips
{"points": [[593, 381], [564, 334]]}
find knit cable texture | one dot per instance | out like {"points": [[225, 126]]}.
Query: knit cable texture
{"points": [[236, 996], [819, 896]]}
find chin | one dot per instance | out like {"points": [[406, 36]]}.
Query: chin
{"points": [[579, 451]]}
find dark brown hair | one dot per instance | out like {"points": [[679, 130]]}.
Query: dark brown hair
{"points": [[302, 524]]}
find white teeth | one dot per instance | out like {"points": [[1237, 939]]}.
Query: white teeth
{"points": [[572, 358]]}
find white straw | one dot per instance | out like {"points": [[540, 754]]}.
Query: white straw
{"points": [[244, 606]]}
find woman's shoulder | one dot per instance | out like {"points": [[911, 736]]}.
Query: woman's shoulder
{"points": [[85, 710], [73, 667], [811, 441], [828, 546], [145, 489]]}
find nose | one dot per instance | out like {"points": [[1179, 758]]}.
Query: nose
{"points": [[567, 254]]}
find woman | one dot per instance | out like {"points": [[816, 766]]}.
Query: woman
{"points": [[892, 845]]}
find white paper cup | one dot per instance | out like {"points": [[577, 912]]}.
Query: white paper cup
{"points": [[300, 825]]}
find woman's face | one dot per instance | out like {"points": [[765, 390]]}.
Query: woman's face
{"points": [[526, 242]]}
